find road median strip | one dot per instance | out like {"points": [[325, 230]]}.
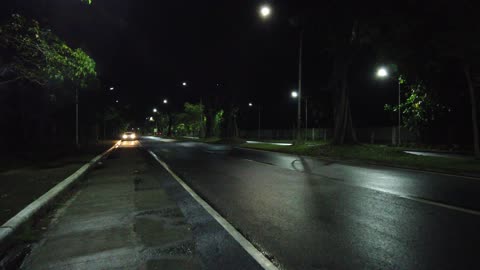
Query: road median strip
{"points": [[14, 224]]}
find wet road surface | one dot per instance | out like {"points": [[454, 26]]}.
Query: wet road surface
{"points": [[310, 214]]}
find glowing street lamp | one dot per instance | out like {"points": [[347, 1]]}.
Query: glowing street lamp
{"points": [[250, 104], [112, 88], [295, 95], [165, 101], [382, 72], [155, 110], [265, 11], [184, 84]]}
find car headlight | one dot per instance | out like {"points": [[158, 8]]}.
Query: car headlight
{"points": [[132, 136], [125, 136]]}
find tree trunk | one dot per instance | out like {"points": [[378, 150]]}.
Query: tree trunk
{"points": [[210, 124], [473, 102], [343, 124], [343, 56], [230, 129], [170, 123]]}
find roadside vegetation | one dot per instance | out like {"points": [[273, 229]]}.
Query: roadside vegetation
{"points": [[25, 178]]}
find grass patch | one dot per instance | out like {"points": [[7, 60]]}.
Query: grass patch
{"points": [[378, 154], [23, 183], [209, 140]]}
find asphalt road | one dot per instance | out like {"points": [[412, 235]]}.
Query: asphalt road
{"points": [[310, 214]]}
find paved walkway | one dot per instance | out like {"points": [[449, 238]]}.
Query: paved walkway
{"points": [[121, 218]]}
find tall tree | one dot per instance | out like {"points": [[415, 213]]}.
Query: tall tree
{"points": [[343, 25], [460, 39], [343, 39]]}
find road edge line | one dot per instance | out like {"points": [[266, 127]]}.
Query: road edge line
{"points": [[30, 211], [244, 243]]}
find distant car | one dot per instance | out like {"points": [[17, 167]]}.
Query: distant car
{"points": [[129, 136]]}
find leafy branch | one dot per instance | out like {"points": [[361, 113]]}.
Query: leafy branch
{"points": [[36, 55]]}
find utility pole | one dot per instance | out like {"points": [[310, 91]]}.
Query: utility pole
{"points": [[201, 130], [306, 116], [399, 112], [76, 118], [299, 112], [259, 127]]}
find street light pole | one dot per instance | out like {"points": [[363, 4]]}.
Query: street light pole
{"points": [[76, 118], [299, 102], [266, 12], [399, 111], [306, 116], [259, 114], [383, 73], [259, 117]]}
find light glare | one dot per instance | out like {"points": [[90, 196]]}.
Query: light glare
{"points": [[294, 94], [265, 11], [382, 72]]}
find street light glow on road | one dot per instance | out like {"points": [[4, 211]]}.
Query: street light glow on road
{"points": [[294, 94], [265, 11], [382, 72]]}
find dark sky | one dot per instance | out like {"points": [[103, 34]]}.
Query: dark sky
{"points": [[145, 49]]}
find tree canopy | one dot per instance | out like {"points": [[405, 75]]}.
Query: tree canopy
{"points": [[35, 54]]}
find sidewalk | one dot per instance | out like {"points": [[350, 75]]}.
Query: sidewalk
{"points": [[121, 218]]}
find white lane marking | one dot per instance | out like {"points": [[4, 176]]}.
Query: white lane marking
{"points": [[246, 245], [439, 204]]}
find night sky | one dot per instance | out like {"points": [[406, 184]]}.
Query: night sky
{"points": [[146, 49]]}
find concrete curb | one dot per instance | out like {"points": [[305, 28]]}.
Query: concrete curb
{"points": [[9, 228]]}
